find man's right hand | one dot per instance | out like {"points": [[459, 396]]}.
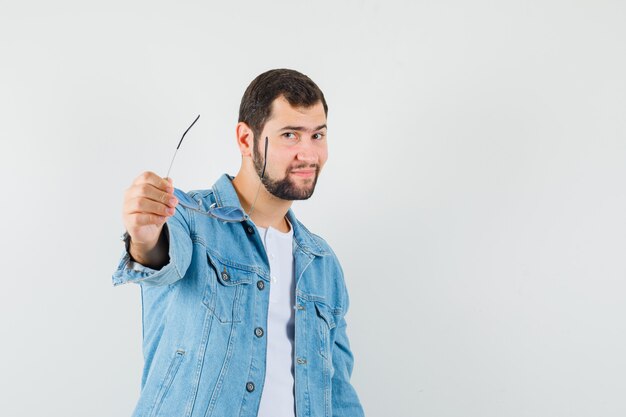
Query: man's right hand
{"points": [[148, 203]]}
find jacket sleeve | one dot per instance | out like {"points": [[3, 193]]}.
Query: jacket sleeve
{"points": [[180, 250], [345, 401]]}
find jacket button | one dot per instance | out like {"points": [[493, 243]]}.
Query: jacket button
{"points": [[258, 332], [249, 387], [260, 285], [301, 361], [225, 276], [250, 230]]}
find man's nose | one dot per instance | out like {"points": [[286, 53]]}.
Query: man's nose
{"points": [[306, 153], [306, 156]]}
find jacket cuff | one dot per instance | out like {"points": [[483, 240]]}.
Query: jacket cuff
{"points": [[129, 270]]}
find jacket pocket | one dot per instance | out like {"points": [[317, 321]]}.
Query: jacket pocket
{"points": [[226, 287], [167, 381], [325, 323]]}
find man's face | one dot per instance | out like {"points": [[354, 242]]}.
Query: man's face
{"points": [[297, 149]]}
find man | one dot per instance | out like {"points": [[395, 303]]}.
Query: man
{"points": [[243, 315]]}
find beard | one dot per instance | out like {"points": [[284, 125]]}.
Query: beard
{"points": [[285, 188]]}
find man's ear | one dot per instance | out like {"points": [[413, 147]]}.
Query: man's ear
{"points": [[245, 139]]}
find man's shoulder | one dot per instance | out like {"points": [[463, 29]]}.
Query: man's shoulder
{"points": [[331, 265], [319, 240], [323, 243]]}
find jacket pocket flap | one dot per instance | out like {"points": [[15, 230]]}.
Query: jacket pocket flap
{"points": [[325, 313], [229, 275]]}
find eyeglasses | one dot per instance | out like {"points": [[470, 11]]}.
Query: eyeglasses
{"points": [[225, 214]]}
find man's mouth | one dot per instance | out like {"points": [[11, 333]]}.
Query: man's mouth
{"points": [[303, 172]]}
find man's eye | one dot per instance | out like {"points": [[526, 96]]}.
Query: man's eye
{"points": [[289, 135], [318, 136]]}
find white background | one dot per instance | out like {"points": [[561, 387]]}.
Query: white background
{"points": [[474, 192]]}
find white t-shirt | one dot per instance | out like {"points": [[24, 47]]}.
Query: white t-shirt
{"points": [[277, 399]]}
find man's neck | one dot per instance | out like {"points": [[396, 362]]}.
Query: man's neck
{"points": [[268, 209]]}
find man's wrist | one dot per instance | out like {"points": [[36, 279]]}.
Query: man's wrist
{"points": [[151, 255], [130, 245]]}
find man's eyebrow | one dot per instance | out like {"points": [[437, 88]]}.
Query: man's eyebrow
{"points": [[302, 128]]}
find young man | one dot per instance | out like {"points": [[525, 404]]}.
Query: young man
{"points": [[243, 307]]}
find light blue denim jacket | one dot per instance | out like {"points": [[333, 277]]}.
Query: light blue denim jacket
{"points": [[200, 312]]}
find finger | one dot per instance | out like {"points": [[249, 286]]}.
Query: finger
{"points": [[145, 205], [150, 192], [149, 177], [145, 219]]}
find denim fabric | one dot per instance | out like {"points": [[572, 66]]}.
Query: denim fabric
{"points": [[200, 311]]}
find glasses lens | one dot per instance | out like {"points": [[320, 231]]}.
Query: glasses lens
{"points": [[228, 214]]}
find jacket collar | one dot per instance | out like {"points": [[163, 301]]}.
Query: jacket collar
{"points": [[226, 196]]}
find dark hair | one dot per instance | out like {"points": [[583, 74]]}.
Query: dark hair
{"points": [[256, 104]]}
